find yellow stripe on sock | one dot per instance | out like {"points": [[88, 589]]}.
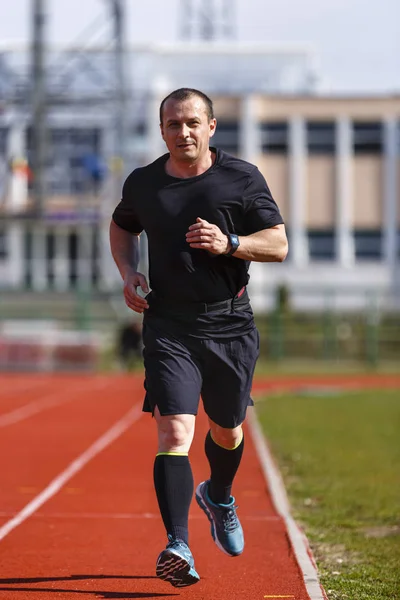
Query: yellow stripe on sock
{"points": [[234, 447], [172, 454]]}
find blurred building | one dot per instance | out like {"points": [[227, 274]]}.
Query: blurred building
{"points": [[332, 164]]}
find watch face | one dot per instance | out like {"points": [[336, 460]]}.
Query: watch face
{"points": [[234, 240]]}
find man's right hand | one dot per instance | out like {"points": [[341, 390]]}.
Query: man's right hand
{"points": [[132, 281]]}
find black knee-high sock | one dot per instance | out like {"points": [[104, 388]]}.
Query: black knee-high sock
{"points": [[224, 464], [173, 481]]}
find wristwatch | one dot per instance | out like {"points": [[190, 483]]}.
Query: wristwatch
{"points": [[234, 244]]}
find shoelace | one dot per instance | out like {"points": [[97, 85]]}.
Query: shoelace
{"points": [[230, 520]]}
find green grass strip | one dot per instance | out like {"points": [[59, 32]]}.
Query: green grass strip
{"points": [[340, 459]]}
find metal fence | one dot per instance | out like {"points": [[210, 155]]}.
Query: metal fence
{"points": [[331, 324], [330, 337], [369, 335]]}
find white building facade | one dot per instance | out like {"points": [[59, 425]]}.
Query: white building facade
{"points": [[332, 165]]}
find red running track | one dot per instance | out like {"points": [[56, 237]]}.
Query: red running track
{"points": [[96, 532]]}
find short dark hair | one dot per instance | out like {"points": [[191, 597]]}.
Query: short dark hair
{"points": [[186, 93]]}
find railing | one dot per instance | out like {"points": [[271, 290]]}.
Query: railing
{"points": [[333, 325], [370, 335], [330, 337]]}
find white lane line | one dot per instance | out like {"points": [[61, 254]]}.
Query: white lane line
{"points": [[280, 500], [128, 516], [54, 486], [50, 401]]}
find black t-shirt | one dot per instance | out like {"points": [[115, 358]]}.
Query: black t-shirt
{"points": [[232, 194]]}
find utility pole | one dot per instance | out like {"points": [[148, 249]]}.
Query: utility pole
{"points": [[208, 20], [39, 107], [229, 23], [118, 143], [118, 12]]}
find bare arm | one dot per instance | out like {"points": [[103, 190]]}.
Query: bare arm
{"points": [[268, 245], [125, 251]]}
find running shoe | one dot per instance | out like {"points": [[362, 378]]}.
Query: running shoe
{"points": [[226, 529], [176, 564]]}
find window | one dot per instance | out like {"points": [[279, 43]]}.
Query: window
{"points": [[398, 137], [3, 141], [28, 243], [226, 136], [96, 252], [321, 137], [321, 244], [73, 159], [73, 257], [368, 244], [368, 138], [50, 252], [274, 137], [3, 244], [139, 128]]}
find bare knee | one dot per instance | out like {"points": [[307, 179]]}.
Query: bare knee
{"points": [[227, 438], [175, 432]]}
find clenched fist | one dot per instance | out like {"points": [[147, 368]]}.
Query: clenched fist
{"points": [[206, 236]]}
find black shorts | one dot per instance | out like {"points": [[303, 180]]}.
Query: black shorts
{"points": [[181, 368]]}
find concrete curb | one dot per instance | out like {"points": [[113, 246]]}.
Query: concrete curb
{"points": [[280, 501]]}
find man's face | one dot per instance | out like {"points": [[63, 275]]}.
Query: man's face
{"points": [[185, 128]]}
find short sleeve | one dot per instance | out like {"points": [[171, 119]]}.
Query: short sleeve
{"points": [[124, 214], [261, 210]]}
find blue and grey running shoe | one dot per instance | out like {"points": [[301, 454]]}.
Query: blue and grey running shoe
{"points": [[226, 529], [176, 564]]}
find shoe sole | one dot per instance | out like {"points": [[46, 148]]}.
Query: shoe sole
{"points": [[173, 568], [202, 503]]}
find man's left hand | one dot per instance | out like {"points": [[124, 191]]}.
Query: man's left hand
{"points": [[206, 236]]}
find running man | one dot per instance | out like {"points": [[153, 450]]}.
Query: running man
{"points": [[206, 215]]}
